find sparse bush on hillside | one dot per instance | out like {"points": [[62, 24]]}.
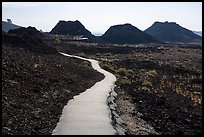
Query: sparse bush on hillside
{"points": [[124, 71], [125, 82], [152, 72], [147, 83], [108, 67], [57, 41]]}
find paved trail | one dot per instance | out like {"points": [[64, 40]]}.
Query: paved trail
{"points": [[88, 113]]}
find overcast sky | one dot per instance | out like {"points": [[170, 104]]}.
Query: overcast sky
{"points": [[97, 17]]}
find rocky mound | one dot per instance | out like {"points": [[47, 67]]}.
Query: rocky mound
{"points": [[29, 32], [74, 28], [126, 34], [28, 39], [171, 32]]}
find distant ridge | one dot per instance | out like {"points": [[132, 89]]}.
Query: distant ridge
{"points": [[6, 26], [198, 33], [126, 34], [171, 32]]}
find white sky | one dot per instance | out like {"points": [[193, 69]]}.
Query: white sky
{"points": [[97, 17]]}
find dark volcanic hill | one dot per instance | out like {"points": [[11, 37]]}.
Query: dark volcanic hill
{"points": [[126, 34], [6, 26], [29, 32], [171, 32], [74, 28], [29, 39]]}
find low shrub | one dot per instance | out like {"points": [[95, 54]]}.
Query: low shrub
{"points": [[125, 82], [108, 67], [147, 83], [124, 72], [57, 41], [152, 72]]}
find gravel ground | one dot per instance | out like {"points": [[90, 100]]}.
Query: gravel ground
{"points": [[35, 88], [159, 87], [159, 90]]}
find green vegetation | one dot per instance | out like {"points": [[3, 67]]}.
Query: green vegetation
{"points": [[108, 67], [124, 72], [57, 41], [125, 82], [121, 72], [147, 83], [152, 72]]}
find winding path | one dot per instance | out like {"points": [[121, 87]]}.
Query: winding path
{"points": [[88, 113]]}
